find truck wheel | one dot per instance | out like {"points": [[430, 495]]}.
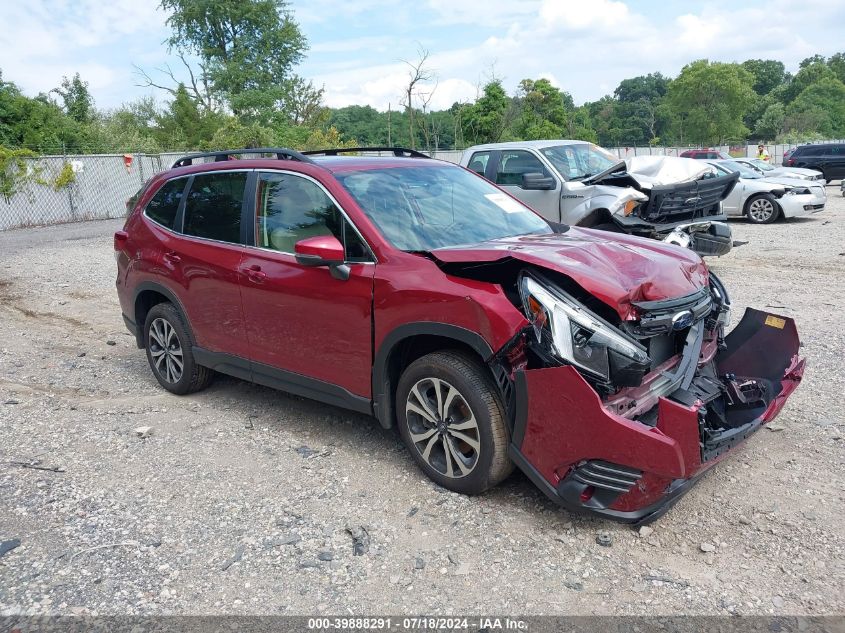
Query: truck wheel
{"points": [[453, 422], [762, 209]]}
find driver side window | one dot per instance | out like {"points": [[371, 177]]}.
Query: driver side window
{"points": [[291, 208], [514, 163]]}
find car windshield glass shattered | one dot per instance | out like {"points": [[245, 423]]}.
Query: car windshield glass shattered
{"points": [[576, 162], [426, 208]]}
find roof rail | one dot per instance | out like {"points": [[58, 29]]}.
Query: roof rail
{"points": [[401, 152], [282, 153]]}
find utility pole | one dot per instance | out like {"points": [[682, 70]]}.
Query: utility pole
{"points": [[388, 125]]}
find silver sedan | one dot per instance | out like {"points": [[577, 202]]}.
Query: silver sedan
{"points": [[767, 171], [764, 200]]}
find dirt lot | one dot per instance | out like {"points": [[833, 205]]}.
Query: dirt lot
{"points": [[240, 499]]}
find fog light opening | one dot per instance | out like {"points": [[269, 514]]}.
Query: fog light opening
{"points": [[587, 493]]}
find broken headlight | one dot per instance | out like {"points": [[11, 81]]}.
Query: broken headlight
{"points": [[798, 191], [574, 335]]}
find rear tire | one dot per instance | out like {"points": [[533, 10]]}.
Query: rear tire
{"points": [[762, 209], [169, 351], [453, 422]]}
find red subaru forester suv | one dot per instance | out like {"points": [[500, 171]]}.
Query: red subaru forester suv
{"points": [[417, 291]]}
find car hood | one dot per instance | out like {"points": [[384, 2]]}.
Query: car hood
{"points": [[788, 181], [795, 171], [616, 269]]}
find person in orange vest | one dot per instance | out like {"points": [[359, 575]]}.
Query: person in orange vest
{"points": [[762, 154]]}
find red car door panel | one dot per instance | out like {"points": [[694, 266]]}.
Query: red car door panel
{"points": [[208, 273], [301, 319]]}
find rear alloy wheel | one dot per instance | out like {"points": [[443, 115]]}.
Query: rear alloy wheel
{"points": [[762, 209], [453, 422], [169, 351]]}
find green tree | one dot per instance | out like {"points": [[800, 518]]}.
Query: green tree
{"points": [[486, 120], [234, 134], [767, 73], [709, 100], [184, 125], [78, 102], [246, 51], [544, 111], [837, 64], [819, 108], [810, 73], [770, 124]]}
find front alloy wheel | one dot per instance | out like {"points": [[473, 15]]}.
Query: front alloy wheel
{"points": [[762, 209], [452, 419], [442, 427]]}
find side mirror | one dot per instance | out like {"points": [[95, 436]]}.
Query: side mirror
{"points": [[536, 181], [323, 250]]}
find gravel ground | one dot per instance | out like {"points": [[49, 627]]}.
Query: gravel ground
{"points": [[245, 500]]}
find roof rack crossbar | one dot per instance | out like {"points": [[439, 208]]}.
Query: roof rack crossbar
{"points": [[402, 152], [282, 153]]}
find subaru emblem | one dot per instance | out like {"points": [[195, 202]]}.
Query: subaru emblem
{"points": [[682, 320]]}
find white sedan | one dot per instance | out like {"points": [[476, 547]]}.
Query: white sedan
{"points": [[765, 199], [767, 171]]}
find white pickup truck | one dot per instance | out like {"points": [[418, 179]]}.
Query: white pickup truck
{"points": [[677, 200]]}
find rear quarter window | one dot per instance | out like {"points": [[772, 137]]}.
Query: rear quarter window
{"points": [[165, 203]]}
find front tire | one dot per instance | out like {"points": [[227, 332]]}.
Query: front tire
{"points": [[762, 209], [453, 422], [169, 351]]}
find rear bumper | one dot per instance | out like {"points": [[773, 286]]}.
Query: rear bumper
{"points": [[590, 460]]}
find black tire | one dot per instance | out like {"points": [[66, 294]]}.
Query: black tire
{"points": [[477, 401], [762, 208], [192, 377]]}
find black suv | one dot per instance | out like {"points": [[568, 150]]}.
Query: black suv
{"points": [[828, 158]]}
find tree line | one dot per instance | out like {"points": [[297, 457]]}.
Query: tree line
{"points": [[235, 86]]}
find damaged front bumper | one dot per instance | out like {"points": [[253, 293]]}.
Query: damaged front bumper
{"points": [[711, 237], [590, 458]]}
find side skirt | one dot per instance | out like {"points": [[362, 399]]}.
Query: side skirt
{"points": [[282, 380]]}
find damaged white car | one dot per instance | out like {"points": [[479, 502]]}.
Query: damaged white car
{"points": [[765, 199], [677, 200]]}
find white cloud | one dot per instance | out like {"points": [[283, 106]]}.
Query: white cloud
{"points": [[588, 46], [44, 41]]}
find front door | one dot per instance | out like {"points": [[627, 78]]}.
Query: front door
{"points": [[301, 320]]}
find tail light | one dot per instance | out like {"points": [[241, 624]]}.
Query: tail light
{"points": [[120, 238]]}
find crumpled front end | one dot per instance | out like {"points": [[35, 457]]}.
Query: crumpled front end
{"points": [[629, 452]]}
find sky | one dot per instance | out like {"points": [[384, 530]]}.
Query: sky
{"points": [[359, 48]]}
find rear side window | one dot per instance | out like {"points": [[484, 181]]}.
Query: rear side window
{"points": [[164, 205], [213, 207]]}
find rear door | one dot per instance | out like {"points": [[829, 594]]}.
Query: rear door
{"points": [[833, 162], [205, 260], [306, 329]]}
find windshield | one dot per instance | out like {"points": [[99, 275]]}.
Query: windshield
{"points": [[744, 171], [576, 162], [426, 208], [761, 164]]}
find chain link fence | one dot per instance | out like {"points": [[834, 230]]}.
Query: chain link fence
{"points": [[100, 186], [102, 183]]}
